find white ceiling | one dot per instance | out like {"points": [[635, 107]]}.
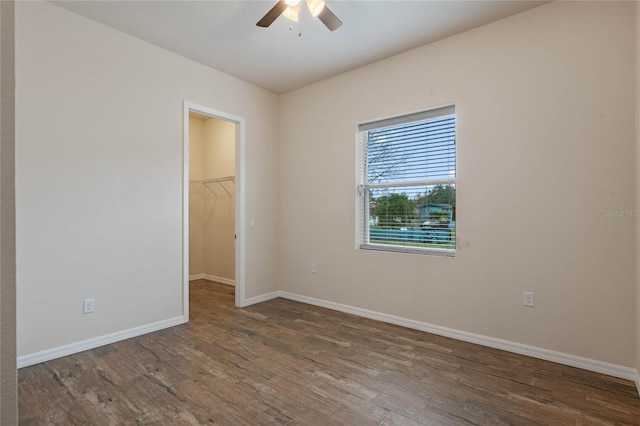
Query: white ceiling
{"points": [[223, 34]]}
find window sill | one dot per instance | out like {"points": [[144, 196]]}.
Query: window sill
{"points": [[408, 250]]}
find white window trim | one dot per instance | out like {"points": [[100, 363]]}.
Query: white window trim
{"points": [[362, 193]]}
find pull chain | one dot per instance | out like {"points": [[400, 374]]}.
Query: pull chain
{"points": [[299, 25]]}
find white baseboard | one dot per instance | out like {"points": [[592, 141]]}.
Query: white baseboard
{"points": [[72, 348], [260, 299], [221, 280], [532, 351]]}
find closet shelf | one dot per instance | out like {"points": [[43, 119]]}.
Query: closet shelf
{"points": [[219, 181], [215, 180]]}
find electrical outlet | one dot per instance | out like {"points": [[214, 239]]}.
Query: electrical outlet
{"points": [[88, 306], [314, 268], [528, 299]]}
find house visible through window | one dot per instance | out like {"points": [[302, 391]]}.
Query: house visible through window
{"points": [[407, 183]]}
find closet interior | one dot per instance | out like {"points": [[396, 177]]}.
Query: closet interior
{"points": [[212, 144]]}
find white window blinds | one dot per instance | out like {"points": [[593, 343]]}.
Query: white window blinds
{"points": [[406, 191]]}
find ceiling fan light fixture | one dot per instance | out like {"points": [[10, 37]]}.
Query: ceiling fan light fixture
{"points": [[315, 6], [292, 13], [291, 9]]}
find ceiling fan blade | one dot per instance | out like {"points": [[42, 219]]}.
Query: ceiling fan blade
{"points": [[273, 14], [329, 19]]}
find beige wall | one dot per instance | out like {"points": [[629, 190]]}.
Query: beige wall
{"points": [[99, 178], [197, 169], [8, 377], [220, 146], [545, 129], [212, 211], [545, 133], [219, 157], [197, 197], [637, 4]]}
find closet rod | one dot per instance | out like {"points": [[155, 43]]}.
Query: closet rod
{"points": [[213, 180]]}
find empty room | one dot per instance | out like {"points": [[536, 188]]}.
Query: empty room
{"points": [[310, 213]]}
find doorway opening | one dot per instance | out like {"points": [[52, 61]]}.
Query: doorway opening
{"points": [[213, 194]]}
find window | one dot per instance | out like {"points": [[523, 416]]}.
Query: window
{"points": [[407, 183]]}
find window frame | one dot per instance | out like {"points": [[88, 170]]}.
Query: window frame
{"points": [[363, 186]]}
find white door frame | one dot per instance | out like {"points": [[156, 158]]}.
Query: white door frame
{"points": [[239, 196]]}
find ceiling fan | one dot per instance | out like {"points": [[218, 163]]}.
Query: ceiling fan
{"points": [[291, 9]]}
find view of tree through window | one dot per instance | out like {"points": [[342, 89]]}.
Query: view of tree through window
{"points": [[408, 185]]}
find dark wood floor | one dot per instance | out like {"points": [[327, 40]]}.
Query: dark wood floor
{"points": [[283, 362]]}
